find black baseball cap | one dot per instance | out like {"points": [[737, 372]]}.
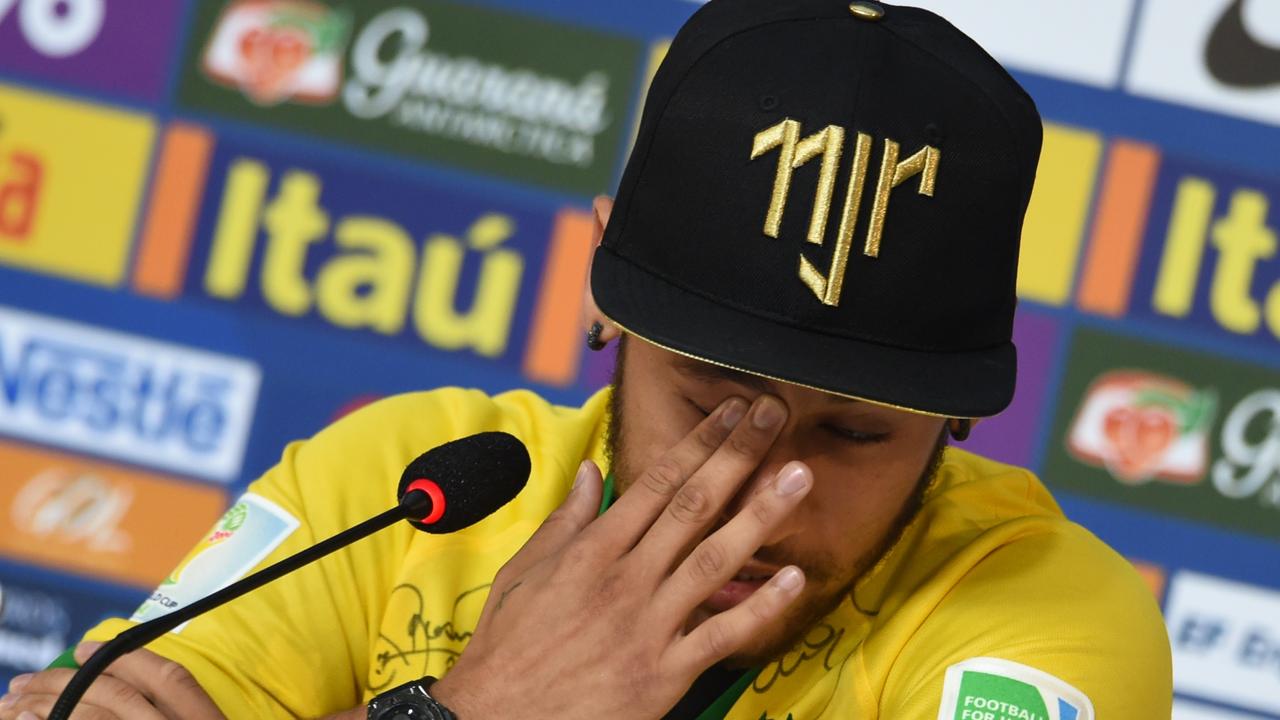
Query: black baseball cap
{"points": [[829, 194]]}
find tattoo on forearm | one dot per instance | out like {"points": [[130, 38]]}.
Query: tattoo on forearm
{"points": [[505, 593]]}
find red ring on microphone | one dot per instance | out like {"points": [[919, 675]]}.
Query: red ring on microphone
{"points": [[434, 492]]}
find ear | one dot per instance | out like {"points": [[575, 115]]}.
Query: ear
{"points": [[602, 206]]}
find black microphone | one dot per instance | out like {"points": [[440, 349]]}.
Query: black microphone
{"points": [[447, 488]]}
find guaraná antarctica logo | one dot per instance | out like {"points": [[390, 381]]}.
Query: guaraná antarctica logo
{"points": [[450, 83]]}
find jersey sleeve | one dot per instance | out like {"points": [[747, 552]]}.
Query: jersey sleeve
{"points": [[298, 647], [1052, 626]]}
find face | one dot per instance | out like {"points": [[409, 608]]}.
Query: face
{"points": [[870, 464]]}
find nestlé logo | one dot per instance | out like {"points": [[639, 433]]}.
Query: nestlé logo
{"points": [[112, 394]]}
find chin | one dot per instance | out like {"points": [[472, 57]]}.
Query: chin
{"points": [[780, 636]]}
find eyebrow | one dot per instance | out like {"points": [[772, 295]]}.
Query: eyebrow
{"points": [[711, 372]]}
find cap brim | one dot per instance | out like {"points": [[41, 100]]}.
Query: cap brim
{"points": [[947, 384]]}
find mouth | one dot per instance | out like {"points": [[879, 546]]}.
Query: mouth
{"points": [[750, 578]]}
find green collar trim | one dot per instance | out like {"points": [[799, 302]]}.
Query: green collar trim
{"points": [[723, 704], [607, 497]]}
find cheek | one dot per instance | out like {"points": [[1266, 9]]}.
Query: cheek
{"points": [[649, 429], [852, 513]]}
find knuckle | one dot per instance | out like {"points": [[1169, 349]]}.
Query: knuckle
{"points": [[663, 478], [174, 674], [708, 437], [742, 445], [719, 643], [120, 693], [709, 561], [762, 511], [760, 610], [691, 505]]}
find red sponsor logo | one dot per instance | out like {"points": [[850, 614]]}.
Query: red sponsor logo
{"points": [[21, 179], [1142, 426], [279, 50]]}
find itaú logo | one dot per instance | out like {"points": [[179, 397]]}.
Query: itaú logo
{"points": [[67, 506]]}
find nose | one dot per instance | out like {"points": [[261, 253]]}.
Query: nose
{"points": [[761, 480]]}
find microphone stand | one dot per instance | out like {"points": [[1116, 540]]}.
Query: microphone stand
{"points": [[415, 503]]}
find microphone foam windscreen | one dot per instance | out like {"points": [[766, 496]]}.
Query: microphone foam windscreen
{"points": [[478, 474]]}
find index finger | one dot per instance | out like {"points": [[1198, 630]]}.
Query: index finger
{"points": [[630, 517]]}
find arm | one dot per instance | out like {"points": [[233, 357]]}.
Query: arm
{"points": [[297, 647], [1057, 616], [589, 619]]}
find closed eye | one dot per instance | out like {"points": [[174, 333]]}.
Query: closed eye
{"points": [[856, 436]]}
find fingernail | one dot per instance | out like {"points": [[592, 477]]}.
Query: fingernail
{"points": [[8, 700], [768, 413], [583, 469], [19, 682], [791, 480], [732, 413], [789, 579], [28, 715], [86, 650]]}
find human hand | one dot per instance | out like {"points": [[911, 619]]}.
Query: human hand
{"points": [[589, 619], [139, 686]]}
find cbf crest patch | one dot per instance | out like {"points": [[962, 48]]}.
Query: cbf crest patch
{"points": [[995, 689]]}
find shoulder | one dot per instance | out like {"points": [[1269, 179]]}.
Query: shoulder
{"points": [[1016, 584], [352, 466], [402, 427]]}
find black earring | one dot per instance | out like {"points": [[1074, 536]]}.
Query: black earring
{"points": [[960, 428], [593, 337]]}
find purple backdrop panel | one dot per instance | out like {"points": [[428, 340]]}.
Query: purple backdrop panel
{"points": [[115, 46], [1011, 436]]}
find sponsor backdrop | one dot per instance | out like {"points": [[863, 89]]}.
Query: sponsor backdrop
{"points": [[224, 223]]}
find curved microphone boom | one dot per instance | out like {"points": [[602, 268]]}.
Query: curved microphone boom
{"points": [[446, 489]]}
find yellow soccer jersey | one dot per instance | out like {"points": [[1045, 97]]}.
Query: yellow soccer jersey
{"points": [[992, 606]]}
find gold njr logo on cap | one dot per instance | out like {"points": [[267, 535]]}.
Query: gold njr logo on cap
{"points": [[794, 151]]}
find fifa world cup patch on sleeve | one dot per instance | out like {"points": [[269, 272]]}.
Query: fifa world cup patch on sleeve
{"points": [[995, 689], [241, 539]]}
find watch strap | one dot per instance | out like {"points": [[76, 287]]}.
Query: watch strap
{"points": [[414, 694]]}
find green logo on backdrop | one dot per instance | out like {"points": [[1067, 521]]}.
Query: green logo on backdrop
{"points": [[475, 88], [1174, 431]]}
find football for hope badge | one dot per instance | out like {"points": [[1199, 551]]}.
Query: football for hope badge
{"points": [[995, 689], [242, 538]]}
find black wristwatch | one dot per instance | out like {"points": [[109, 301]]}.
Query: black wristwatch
{"points": [[409, 701]]}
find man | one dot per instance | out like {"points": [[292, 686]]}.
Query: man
{"points": [[809, 275]]}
